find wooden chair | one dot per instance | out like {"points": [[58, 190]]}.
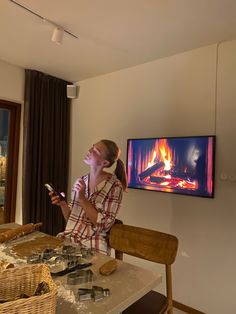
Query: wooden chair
{"points": [[118, 255], [152, 246]]}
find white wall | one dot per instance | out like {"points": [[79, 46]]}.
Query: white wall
{"points": [[12, 80], [174, 96]]}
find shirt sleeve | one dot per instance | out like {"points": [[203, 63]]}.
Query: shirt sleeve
{"points": [[107, 211]]}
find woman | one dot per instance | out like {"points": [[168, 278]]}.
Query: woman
{"points": [[96, 198]]}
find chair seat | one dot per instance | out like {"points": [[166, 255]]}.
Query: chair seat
{"points": [[150, 303]]}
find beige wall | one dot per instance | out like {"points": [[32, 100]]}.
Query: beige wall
{"points": [[12, 82], [174, 96]]}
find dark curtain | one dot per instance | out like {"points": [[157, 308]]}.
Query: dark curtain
{"points": [[45, 148]]}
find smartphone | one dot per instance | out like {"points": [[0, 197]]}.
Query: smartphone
{"points": [[51, 188]]}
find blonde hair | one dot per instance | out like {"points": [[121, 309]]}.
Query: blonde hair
{"points": [[113, 153]]}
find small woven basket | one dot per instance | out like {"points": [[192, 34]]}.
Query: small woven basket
{"points": [[25, 279]]}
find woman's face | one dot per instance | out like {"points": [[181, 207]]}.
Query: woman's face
{"points": [[96, 154]]}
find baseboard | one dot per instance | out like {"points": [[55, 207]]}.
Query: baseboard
{"points": [[186, 308]]}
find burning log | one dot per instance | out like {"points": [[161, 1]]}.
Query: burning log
{"points": [[150, 170], [175, 182], [174, 175], [19, 231], [171, 179], [183, 175], [158, 179]]}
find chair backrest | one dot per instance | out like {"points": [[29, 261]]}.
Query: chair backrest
{"points": [[118, 254], [147, 244]]}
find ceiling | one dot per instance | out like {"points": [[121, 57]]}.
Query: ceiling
{"points": [[113, 34]]}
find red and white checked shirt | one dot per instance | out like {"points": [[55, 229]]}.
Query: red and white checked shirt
{"points": [[106, 199]]}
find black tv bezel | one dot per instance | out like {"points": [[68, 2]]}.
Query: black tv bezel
{"points": [[176, 137]]}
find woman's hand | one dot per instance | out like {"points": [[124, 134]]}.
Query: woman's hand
{"points": [[55, 199], [90, 211], [80, 187]]}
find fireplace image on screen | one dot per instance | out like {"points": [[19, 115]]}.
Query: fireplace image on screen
{"points": [[183, 165]]}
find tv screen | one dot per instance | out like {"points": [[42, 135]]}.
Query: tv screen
{"points": [[182, 165]]}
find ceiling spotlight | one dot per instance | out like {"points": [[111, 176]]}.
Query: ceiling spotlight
{"points": [[58, 31], [57, 35]]}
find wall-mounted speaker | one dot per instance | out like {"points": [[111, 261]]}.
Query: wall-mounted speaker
{"points": [[71, 91]]}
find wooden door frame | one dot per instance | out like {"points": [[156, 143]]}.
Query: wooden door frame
{"points": [[12, 159]]}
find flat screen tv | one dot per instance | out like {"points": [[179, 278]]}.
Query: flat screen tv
{"points": [[182, 165]]}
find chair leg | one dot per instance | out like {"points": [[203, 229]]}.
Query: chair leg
{"points": [[169, 289]]}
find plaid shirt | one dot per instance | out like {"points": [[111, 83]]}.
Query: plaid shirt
{"points": [[107, 200]]}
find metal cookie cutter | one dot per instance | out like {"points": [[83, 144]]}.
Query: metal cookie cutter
{"points": [[71, 269], [80, 276], [100, 293], [96, 293], [41, 257], [85, 294], [48, 253], [68, 249], [34, 259], [87, 252]]}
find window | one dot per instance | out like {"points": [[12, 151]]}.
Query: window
{"points": [[9, 151]]}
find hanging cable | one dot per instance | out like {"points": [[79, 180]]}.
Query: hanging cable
{"points": [[216, 85]]}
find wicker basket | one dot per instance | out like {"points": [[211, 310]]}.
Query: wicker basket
{"points": [[25, 279]]}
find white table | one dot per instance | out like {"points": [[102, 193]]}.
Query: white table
{"points": [[127, 284]]}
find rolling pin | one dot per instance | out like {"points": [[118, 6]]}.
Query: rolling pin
{"points": [[18, 232]]}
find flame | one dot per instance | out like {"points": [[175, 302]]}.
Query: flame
{"points": [[165, 183], [166, 154], [165, 174], [161, 152], [151, 163]]}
